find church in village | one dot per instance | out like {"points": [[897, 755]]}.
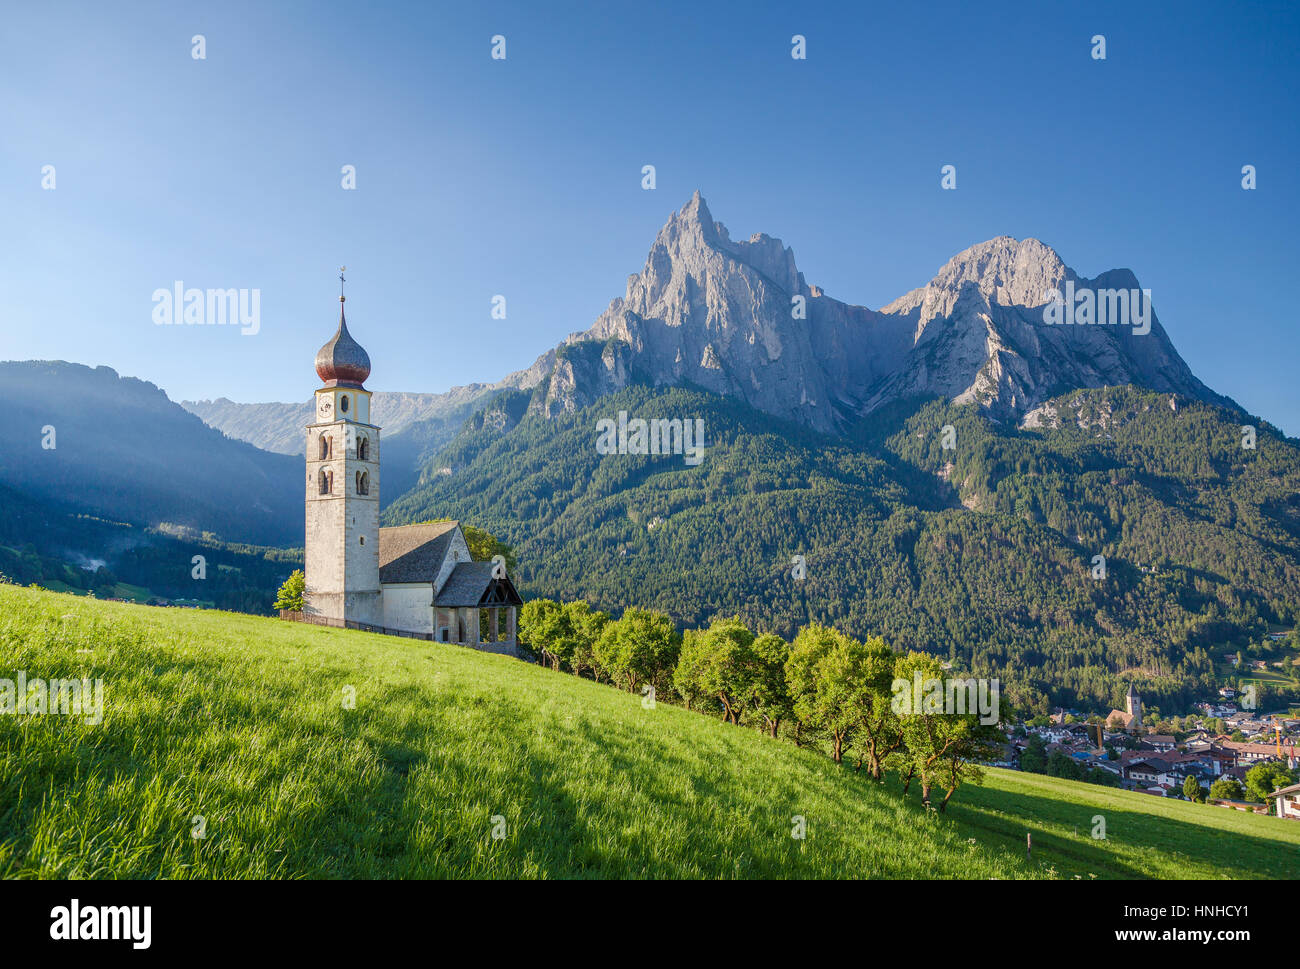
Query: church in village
{"points": [[1130, 718], [411, 580]]}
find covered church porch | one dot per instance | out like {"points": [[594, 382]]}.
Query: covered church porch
{"points": [[478, 609]]}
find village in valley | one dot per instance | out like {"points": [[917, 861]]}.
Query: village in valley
{"points": [[1228, 755]]}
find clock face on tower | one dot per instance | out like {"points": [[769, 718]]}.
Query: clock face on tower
{"points": [[324, 407]]}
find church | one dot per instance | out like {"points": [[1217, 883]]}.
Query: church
{"points": [[413, 580], [1130, 718]]}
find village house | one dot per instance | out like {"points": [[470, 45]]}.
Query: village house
{"points": [[1248, 754], [1158, 742], [1286, 802]]}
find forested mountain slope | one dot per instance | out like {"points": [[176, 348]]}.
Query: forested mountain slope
{"points": [[982, 552]]}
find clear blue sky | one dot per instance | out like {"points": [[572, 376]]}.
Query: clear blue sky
{"points": [[477, 177]]}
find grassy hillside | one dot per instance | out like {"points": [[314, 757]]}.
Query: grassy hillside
{"points": [[240, 720]]}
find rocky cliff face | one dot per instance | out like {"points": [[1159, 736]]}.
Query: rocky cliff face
{"points": [[980, 334], [738, 318], [735, 318]]}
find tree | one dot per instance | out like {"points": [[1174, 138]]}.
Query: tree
{"points": [[1063, 765], [586, 626], [483, 546], [640, 648], [686, 675], [1105, 778], [290, 595], [1227, 789], [546, 627], [1192, 789], [1263, 779], [880, 731], [827, 684], [1034, 757], [722, 666], [771, 693], [943, 748]]}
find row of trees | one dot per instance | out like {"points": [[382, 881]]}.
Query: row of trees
{"points": [[824, 688]]}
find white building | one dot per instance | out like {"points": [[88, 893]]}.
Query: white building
{"points": [[1287, 801]]}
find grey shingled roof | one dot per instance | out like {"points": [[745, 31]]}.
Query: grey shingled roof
{"points": [[414, 553], [467, 585]]}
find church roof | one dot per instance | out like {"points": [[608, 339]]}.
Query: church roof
{"points": [[414, 553], [471, 584]]}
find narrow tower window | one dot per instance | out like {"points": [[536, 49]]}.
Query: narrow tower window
{"points": [[343, 403], [324, 447], [363, 450], [363, 483], [326, 481]]}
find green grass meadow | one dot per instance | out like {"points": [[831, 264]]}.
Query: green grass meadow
{"points": [[241, 721]]}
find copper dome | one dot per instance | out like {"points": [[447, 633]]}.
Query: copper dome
{"points": [[342, 360]]}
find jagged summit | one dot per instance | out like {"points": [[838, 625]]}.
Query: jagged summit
{"points": [[1005, 270], [738, 318]]}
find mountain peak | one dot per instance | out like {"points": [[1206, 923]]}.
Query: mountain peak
{"points": [[737, 318], [694, 222]]}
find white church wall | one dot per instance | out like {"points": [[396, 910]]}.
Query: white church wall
{"points": [[408, 606]]}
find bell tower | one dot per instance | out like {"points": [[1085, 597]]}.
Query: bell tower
{"points": [[1133, 705], [342, 538]]}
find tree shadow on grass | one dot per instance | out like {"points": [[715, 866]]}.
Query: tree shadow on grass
{"points": [[1200, 846]]}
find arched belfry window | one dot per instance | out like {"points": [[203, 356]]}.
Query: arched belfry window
{"points": [[324, 447], [363, 483], [363, 450], [326, 482]]}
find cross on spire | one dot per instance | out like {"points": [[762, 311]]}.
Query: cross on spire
{"points": [[342, 270]]}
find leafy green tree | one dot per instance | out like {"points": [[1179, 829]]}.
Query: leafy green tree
{"points": [[1192, 789], [641, 648], [291, 592], [944, 748], [828, 683], [586, 625], [1062, 765], [1034, 757], [546, 627], [1263, 779], [880, 731], [721, 665], [483, 546], [1227, 789], [1105, 778], [687, 679], [771, 691]]}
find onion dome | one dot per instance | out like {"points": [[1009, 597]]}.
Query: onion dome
{"points": [[342, 361]]}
